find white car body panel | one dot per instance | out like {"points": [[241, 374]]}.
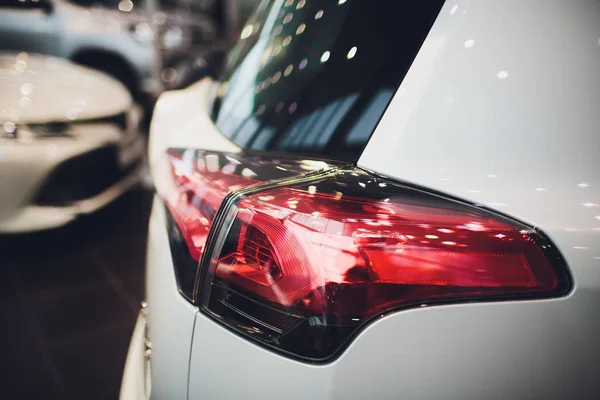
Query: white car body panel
{"points": [[189, 106], [499, 108], [135, 388], [170, 316], [524, 350], [30, 85]]}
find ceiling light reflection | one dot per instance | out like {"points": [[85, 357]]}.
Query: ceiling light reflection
{"points": [[246, 32], [351, 53], [276, 77], [26, 89], [9, 126], [125, 5], [288, 70]]}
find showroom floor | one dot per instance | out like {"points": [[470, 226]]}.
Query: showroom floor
{"points": [[68, 302]]}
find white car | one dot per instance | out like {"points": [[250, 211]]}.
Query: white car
{"points": [[380, 200], [135, 42], [120, 44], [69, 141]]}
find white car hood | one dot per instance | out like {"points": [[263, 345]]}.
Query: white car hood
{"points": [[38, 89]]}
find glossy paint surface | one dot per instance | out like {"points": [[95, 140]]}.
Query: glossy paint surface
{"points": [[181, 120], [38, 89], [133, 385], [500, 108], [170, 316]]}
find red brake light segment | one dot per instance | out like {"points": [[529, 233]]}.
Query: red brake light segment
{"points": [[303, 267], [194, 192], [194, 183]]}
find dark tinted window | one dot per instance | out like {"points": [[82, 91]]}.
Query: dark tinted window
{"points": [[314, 77]]}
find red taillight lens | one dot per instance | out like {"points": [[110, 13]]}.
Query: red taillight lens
{"points": [[196, 188], [304, 267], [194, 183]]}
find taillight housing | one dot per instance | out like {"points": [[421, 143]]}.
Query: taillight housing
{"points": [[301, 268], [194, 184], [300, 255]]}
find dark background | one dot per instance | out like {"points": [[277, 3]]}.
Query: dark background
{"points": [[69, 299]]}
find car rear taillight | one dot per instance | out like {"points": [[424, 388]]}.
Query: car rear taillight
{"points": [[300, 255], [194, 183], [302, 267]]}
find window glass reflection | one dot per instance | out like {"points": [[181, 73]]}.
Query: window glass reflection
{"points": [[318, 86]]}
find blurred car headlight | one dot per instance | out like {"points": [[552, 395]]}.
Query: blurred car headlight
{"points": [[31, 133], [142, 32]]}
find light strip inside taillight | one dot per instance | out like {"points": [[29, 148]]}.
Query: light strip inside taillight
{"points": [[304, 266]]}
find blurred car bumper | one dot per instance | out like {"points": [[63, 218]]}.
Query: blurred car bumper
{"points": [[48, 182], [136, 374]]}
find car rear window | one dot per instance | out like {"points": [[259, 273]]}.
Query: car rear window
{"points": [[314, 77]]}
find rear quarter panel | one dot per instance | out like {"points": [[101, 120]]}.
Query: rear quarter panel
{"points": [[499, 108], [501, 100]]}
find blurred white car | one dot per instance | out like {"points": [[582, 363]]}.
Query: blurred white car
{"points": [[69, 141], [120, 44], [130, 40], [380, 200]]}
